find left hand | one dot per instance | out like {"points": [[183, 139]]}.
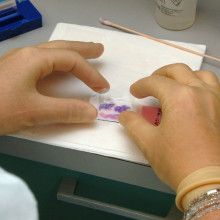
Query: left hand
{"points": [[20, 70]]}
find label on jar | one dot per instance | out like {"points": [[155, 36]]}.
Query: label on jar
{"points": [[170, 7]]}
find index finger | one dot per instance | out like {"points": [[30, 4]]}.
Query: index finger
{"points": [[157, 86], [45, 61]]}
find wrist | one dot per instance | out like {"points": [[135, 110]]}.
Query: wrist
{"points": [[189, 197], [203, 205], [195, 184]]}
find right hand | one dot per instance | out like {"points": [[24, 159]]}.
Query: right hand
{"points": [[188, 137]]}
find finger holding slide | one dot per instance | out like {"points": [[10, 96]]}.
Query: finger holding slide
{"points": [[158, 86], [59, 110], [141, 131], [45, 61]]}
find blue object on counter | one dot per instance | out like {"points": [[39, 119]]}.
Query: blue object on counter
{"points": [[7, 7], [16, 22]]}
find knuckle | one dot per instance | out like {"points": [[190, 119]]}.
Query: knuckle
{"points": [[211, 75], [26, 52], [183, 65], [72, 114], [57, 43], [178, 66], [30, 119]]}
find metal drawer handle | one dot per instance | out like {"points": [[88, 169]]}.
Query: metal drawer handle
{"points": [[66, 193]]}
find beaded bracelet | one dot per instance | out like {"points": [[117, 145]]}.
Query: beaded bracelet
{"points": [[201, 205]]}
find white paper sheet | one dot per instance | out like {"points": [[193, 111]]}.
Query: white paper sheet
{"points": [[126, 59]]}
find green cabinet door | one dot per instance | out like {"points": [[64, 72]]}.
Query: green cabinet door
{"points": [[44, 180]]}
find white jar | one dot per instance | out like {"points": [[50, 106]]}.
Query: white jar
{"points": [[175, 14]]}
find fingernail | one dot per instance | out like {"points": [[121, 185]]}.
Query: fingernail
{"points": [[103, 91]]}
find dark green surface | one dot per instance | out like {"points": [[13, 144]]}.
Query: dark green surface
{"points": [[44, 181]]}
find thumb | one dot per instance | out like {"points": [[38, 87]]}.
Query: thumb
{"points": [[61, 110], [141, 131]]}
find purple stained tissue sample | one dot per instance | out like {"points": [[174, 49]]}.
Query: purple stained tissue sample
{"points": [[106, 106], [110, 116], [121, 108], [115, 110]]}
